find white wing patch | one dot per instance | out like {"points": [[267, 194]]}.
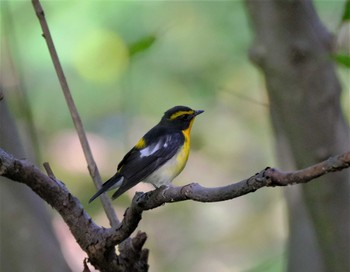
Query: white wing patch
{"points": [[117, 184], [149, 150]]}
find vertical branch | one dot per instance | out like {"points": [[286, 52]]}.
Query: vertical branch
{"points": [[113, 220]]}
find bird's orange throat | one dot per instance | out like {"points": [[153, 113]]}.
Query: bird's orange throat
{"points": [[186, 148], [186, 132]]}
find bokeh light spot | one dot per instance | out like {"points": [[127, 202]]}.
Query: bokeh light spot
{"points": [[101, 56]]}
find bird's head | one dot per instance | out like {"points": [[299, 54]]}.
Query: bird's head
{"points": [[180, 117]]}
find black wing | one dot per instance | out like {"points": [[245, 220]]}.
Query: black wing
{"points": [[138, 164], [106, 186]]}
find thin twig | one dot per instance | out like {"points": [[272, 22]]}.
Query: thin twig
{"points": [[49, 170], [107, 205]]}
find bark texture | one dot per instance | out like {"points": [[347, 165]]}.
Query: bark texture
{"points": [[293, 49], [99, 243]]}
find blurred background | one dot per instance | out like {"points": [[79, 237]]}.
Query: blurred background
{"points": [[126, 63]]}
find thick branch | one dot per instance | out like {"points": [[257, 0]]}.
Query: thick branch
{"points": [[268, 177], [93, 239], [100, 242]]}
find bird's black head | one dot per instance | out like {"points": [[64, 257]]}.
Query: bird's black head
{"points": [[180, 117]]}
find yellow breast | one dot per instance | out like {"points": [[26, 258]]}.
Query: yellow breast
{"points": [[166, 173], [183, 154]]}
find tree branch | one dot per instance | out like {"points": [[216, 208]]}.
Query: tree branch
{"points": [[96, 177], [99, 242], [93, 239]]}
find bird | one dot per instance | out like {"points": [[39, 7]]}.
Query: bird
{"points": [[158, 157]]}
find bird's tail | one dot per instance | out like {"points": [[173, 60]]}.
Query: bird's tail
{"points": [[113, 182]]}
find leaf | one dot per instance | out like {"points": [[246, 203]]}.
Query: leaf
{"points": [[346, 15], [141, 45], [343, 59]]}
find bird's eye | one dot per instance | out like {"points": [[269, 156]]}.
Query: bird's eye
{"points": [[185, 117]]}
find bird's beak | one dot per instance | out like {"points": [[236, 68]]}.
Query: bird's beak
{"points": [[197, 112]]}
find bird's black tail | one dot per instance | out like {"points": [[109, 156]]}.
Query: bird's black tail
{"points": [[108, 185]]}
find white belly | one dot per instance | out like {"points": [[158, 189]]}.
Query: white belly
{"points": [[166, 173]]}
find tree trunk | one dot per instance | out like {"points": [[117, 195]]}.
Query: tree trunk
{"points": [[27, 239], [293, 50]]}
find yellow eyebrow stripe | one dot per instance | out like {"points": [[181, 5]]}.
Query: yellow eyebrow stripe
{"points": [[179, 113]]}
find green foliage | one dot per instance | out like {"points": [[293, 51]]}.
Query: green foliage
{"points": [[142, 44], [346, 14], [343, 60], [342, 55]]}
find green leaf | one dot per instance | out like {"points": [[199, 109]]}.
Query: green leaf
{"points": [[346, 15], [141, 45], [343, 59]]}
